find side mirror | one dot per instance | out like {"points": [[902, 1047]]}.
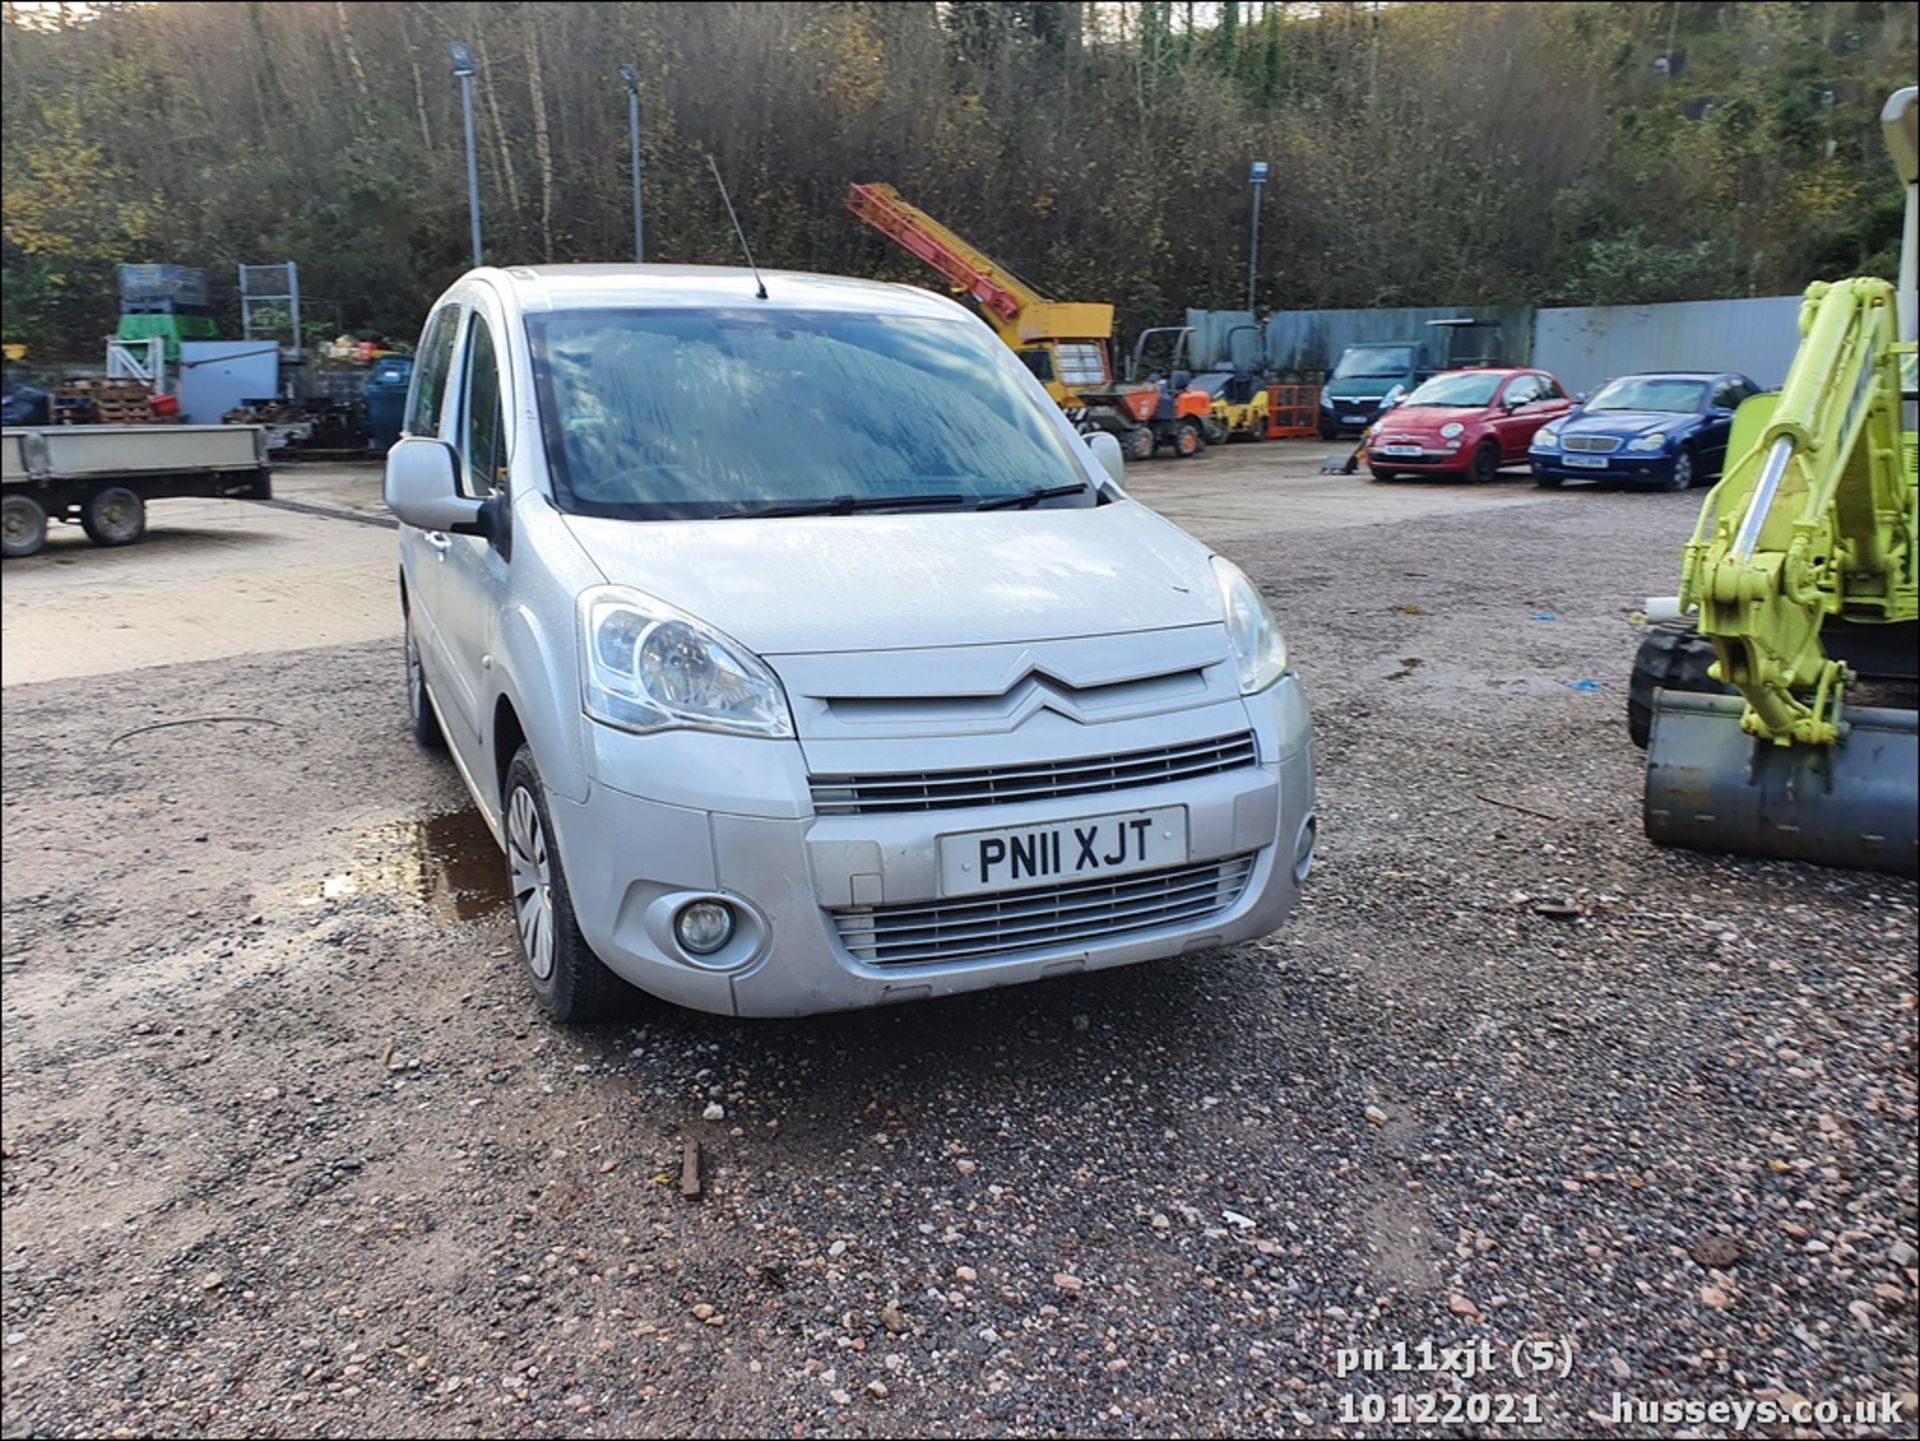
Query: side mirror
{"points": [[1720, 412], [423, 488], [1106, 449]]}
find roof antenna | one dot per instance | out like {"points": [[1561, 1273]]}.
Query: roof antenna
{"points": [[761, 294]]}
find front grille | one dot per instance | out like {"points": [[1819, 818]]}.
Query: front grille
{"points": [[1041, 919], [854, 795], [1593, 444]]}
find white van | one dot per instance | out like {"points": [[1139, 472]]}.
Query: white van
{"points": [[802, 657]]}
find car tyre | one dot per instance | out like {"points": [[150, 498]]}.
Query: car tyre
{"points": [[23, 526], [1486, 462], [1683, 474], [1328, 430], [422, 719], [1548, 482], [114, 515], [1378, 474], [571, 983], [1668, 659]]}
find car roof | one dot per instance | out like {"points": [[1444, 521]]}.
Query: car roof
{"points": [[1679, 375], [703, 287], [1489, 370]]}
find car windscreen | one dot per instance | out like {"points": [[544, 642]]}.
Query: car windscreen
{"points": [[1650, 392], [1467, 388], [684, 413], [1373, 364]]}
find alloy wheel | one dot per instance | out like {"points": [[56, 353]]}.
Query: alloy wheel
{"points": [[532, 881]]}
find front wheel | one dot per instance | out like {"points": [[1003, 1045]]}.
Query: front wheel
{"points": [[23, 526], [1378, 474], [1681, 476], [1546, 481], [568, 979], [114, 516], [1187, 440], [1486, 462]]}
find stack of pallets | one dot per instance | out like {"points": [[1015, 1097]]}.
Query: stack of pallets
{"points": [[103, 402]]}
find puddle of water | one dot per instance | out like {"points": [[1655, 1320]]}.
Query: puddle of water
{"points": [[448, 862]]}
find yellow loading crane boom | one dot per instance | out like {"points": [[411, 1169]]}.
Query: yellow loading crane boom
{"points": [[1063, 342]]}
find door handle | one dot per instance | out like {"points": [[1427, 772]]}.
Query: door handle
{"points": [[440, 541]]}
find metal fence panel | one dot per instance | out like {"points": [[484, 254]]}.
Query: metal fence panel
{"points": [[1588, 345], [1306, 343], [1219, 342]]}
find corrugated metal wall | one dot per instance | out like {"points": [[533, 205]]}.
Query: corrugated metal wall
{"points": [[1590, 344], [1308, 342], [1213, 337], [1584, 345]]}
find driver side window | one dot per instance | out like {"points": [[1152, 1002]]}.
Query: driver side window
{"points": [[1522, 390], [483, 433]]}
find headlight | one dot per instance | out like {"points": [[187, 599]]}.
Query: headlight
{"points": [[649, 667], [1257, 643], [1546, 436], [1451, 429], [1656, 441]]}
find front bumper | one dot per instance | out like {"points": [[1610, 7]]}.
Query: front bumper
{"points": [[1620, 465], [1349, 418], [1437, 460], [632, 862]]}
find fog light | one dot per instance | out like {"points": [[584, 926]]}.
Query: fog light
{"points": [[703, 927], [1303, 849]]}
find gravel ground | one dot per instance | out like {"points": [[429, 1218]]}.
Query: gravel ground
{"points": [[288, 1149]]}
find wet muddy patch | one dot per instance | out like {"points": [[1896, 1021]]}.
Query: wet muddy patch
{"points": [[448, 863]]}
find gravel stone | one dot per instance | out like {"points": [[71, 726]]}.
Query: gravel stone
{"points": [[481, 1275]]}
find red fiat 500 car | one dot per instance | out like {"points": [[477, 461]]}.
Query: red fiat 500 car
{"points": [[1465, 422]]}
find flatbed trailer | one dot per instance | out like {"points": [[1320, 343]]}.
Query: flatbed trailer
{"points": [[102, 476]]}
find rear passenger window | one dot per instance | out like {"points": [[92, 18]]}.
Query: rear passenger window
{"points": [[430, 376], [484, 442]]}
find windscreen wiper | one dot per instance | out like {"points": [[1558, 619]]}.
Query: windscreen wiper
{"points": [[842, 505], [1029, 497]]}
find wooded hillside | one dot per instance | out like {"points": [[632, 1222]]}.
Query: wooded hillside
{"points": [[1421, 153]]}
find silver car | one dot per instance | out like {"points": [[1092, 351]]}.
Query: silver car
{"points": [[802, 657]]}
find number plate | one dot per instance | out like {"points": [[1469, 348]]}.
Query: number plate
{"points": [[1353, 420], [1091, 848], [1401, 450], [1586, 462]]}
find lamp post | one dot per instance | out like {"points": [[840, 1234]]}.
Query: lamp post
{"points": [[1259, 178], [463, 68], [632, 77]]}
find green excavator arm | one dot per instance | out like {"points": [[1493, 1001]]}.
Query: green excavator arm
{"points": [[1811, 535], [1813, 518]]}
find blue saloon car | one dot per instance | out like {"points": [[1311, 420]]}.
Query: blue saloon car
{"points": [[1666, 431]]}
